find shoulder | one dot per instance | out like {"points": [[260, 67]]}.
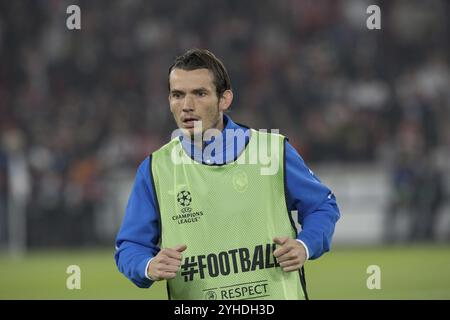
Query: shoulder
{"points": [[291, 152], [144, 165]]}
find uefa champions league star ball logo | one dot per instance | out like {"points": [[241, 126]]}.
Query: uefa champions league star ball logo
{"points": [[185, 212], [184, 198]]}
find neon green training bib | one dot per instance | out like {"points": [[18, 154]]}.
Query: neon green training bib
{"points": [[227, 215]]}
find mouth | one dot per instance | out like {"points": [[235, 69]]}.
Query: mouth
{"points": [[188, 122]]}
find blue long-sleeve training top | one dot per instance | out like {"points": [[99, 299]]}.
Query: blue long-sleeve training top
{"points": [[138, 237]]}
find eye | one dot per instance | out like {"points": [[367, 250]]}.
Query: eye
{"points": [[201, 94], [176, 95]]}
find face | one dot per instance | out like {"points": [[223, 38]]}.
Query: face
{"points": [[193, 98]]}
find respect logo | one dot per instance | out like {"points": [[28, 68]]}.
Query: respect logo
{"points": [[248, 290]]}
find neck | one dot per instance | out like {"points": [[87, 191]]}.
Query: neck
{"points": [[219, 124]]}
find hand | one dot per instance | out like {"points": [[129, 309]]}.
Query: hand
{"points": [[166, 263], [291, 255]]}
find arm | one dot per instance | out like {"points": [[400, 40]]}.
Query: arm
{"points": [[315, 203], [138, 237]]}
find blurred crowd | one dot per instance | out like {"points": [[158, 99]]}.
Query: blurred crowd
{"points": [[79, 106]]}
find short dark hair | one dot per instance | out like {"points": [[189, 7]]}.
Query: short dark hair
{"points": [[194, 59]]}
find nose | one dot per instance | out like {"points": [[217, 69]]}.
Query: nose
{"points": [[188, 104]]}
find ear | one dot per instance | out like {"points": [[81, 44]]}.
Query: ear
{"points": [[225, 100]]}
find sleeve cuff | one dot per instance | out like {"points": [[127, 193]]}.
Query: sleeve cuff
{"points": [[306, 248], [146, 268]]}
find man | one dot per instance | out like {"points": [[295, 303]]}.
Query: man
{"points": [[206, 218]]}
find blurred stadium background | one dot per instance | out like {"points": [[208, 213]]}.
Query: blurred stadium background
{"points": [[367, 109]]}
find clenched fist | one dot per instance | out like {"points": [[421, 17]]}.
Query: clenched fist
{"points": [[166, 263], [291, 254]]}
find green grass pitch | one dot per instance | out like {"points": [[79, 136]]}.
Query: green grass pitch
{"points": [[413, 272]]}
